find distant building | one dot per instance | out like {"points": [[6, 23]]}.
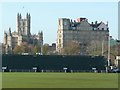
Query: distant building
{"points": [[113, 41], [82, 31], [52, 49], [22, 34], [117, 61]]}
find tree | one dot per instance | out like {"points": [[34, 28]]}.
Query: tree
{"points": [[118, 48], [17, 50], [31, 49], [72, 48], [37, 49], [3, 49], [113, 53], [45, 49], [97, 47], [25, 48]]}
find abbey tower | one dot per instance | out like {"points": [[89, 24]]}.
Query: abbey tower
{"points": [[23, 25], [22, 34]]}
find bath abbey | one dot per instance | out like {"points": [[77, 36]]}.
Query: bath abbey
{"points": [[21, 35]]}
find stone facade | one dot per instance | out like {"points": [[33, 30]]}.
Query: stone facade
{"points": [[22, 34], [82, 31], [23, 25]]}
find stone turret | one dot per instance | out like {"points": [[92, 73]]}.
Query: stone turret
{"points": [[19, 40], [5, 38], [18, 18], [40, 38], [9, 42], [9, 33], [9, 39], [64, 23], [28, 23]]}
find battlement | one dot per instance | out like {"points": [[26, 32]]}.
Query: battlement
{"points": [[23, 25], [22, 34]]}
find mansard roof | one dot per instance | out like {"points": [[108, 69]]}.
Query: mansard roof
{"points": [[79, 22], [95, 25]]}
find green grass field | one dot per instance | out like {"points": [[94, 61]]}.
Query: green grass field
{"points": [[59, 80]]}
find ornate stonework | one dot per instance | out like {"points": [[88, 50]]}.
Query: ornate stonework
{"points": [[22, 34], [82, 31]]}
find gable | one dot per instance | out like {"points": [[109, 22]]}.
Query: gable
{"points": [[84, 25], [102, 25]]}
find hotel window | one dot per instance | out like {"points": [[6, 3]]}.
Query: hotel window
{"points": [[59, 40], [23, 23]]}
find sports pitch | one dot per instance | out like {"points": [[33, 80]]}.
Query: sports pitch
{"points": [[59, 80]]}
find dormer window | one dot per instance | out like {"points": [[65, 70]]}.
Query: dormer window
{"points": [[72, 25], [73, 28]]}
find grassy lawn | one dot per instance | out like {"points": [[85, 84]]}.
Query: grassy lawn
{"points": [[0, 80], [60, 80]]}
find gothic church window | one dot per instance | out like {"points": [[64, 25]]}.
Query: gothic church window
{"points": [[23, 23]]}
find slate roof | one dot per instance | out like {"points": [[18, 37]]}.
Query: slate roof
{"points": [[95, 25]]}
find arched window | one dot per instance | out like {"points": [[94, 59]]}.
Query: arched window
{"points": [[23, 23]]}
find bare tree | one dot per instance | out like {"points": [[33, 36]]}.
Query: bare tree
{"points": [[17, 50], [72, 48], [45, 49]]}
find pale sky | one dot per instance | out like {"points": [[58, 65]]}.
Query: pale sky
{"points": [[44, 15]]}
